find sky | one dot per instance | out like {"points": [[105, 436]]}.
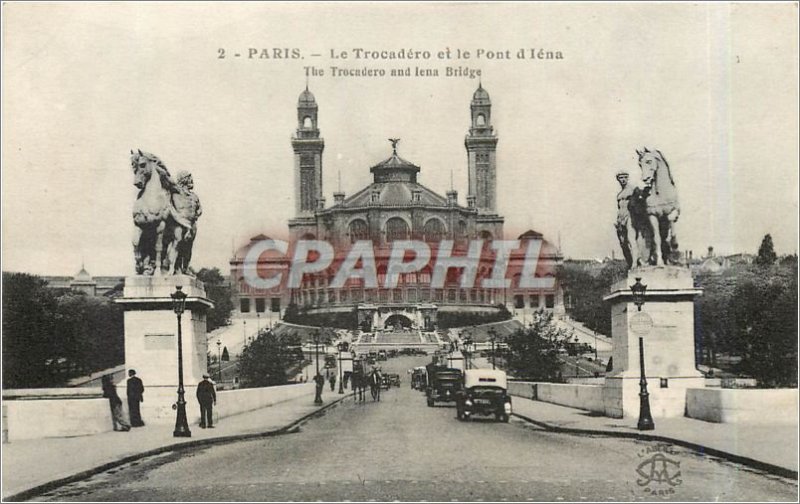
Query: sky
{"points": [[713, 86]]}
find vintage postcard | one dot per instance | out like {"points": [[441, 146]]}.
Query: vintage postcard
{"points": [[378, 251]]}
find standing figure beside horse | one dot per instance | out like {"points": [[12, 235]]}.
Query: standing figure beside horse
{"points": [[164, 215], [648, 215]]}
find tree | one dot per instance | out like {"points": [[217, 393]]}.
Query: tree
{"points": [[265, 360], [533, 352], [764, 308], [225, 356], [29, 341], [584, 286], [766, 252], [48, 339], [219, 292]]}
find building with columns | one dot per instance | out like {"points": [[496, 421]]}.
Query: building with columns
{"points": [[396, 205]]}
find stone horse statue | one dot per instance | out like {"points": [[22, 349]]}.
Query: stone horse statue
{"points": [[660, 197], [158, 226]]}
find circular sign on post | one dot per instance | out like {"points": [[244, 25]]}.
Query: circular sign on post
{"points": [[641, 323]]}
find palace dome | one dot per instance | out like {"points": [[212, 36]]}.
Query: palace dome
{"points": [[481, 97], [306, 99]]}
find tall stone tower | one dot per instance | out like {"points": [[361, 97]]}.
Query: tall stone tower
{"points": [[308, 147], [481, 144]]}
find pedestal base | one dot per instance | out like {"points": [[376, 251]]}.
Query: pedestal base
{"points": [[621, 395], [664, 325], [151, 342]]}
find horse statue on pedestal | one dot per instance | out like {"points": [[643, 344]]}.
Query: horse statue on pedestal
{"points": [[661, 198], [159, 227]]}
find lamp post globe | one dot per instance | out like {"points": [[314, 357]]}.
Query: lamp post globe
{"points": [[181, 423]]}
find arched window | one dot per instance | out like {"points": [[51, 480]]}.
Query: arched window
{"points": [[396, 229], [461, 233], [433, 230], [486, 235], [308, 236], [307, 122], [358, 230], [480, 120]]}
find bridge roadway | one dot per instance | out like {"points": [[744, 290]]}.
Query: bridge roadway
{"points": [[399, 449]]}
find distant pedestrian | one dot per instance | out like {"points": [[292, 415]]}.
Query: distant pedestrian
{"points": [[319, 380], [135, 396], [207, 397], [333, 381], [117, 418]]}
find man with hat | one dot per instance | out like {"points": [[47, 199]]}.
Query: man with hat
{"points": [[207, 397], [135, 396]]}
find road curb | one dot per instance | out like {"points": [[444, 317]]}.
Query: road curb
{"points": [[705, 450], [186, 445]]}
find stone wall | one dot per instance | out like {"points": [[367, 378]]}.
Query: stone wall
{"points": [[233, 402], [43, 413], [585, 397], [742, 405]]}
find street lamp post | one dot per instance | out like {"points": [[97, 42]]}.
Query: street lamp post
{"points": [[341, 377], [318, 396], [492, 337], [244, 332], [219, 361], [645, 419], [181, 423]]}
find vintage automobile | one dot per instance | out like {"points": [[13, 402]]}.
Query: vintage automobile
{"points": [[443, 384], [394, 379], [419, 379], [485, 392]]}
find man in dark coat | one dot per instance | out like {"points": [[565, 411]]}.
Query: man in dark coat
{"points": [[135, 396], [207, 397], [319, 380]]}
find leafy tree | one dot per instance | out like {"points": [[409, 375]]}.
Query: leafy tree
{"points": [[48, 339], [766, 252], [29, 341], [266, 359], [765, 319], [533, 352], [225, 356], [584, 287], [219, 292]]}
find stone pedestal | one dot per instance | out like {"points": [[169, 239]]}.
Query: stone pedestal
{"points": [[151, 342], [666, 324]]}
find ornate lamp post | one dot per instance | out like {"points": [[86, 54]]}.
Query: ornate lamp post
{"points": [[492, 338], [341, 347], [318, 396], [181, 424], [645, 419], [219, 361]]}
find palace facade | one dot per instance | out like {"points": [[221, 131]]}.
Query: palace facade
{"points": [[397, 206]]}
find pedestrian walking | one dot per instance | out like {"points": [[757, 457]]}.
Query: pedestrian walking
{"points": [[332, 381], [207, 397], [117, 417], [135, 396], [319, 380]]}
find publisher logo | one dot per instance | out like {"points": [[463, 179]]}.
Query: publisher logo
{"points": [[659, 473]]}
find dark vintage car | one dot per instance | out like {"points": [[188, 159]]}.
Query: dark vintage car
{"points": [[485, 393], [394, 379], [419, 378], [443, 384]]}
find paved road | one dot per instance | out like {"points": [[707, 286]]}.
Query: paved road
{"points": [[399, 449]]}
